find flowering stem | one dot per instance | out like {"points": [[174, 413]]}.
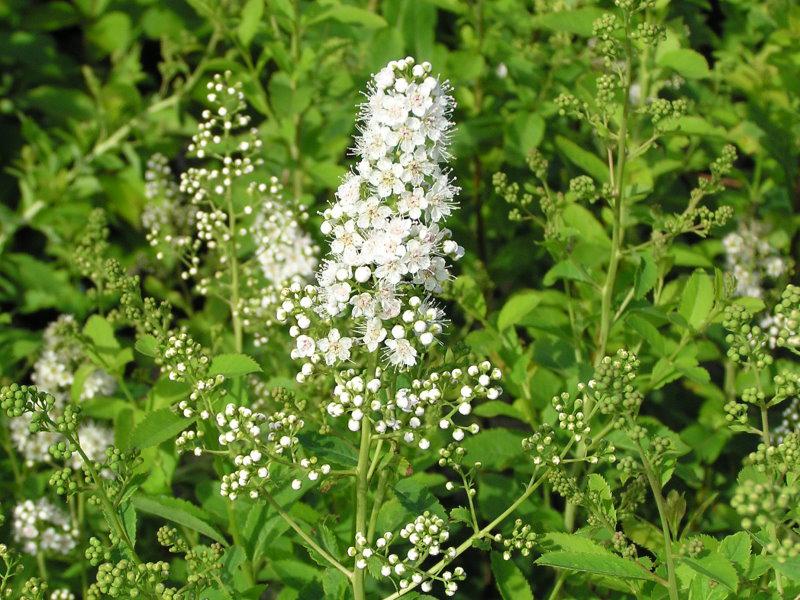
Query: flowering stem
{"points": [[472, 511], [617, 178], [307, 538], [234, 262], [655, 486], [362, 485], [41, 565], [466, 544], [617, 175]]}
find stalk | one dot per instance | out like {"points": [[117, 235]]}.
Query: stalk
{"points": [[655, 486], [362, 491], [617, 176], [307, 538], [618, 231]]}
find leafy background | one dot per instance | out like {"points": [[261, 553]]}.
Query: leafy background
{"points": [[92, 88]]}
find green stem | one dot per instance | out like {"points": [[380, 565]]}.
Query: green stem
{"points": [[362, 490], [41, 565], [556, 591], [618, 231], [472, 511], [307, 538], [655, 486], [617, 177]]}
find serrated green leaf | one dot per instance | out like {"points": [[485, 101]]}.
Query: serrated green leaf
{"points": [[461, 515], [736, 548], [601, 564], [510, 581], [715, 567], [158, 426], [179, 511]]}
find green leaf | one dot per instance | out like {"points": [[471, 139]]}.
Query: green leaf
{"points": [[510, 581], [573, 542], [579, 22], [251, 18], [583, 159], [646, 276], [233, 365], [129, 521], [675, 510], [648, 332], [689, 63], [470, 297], [179, 511], [147, 345], [111, 33], [600, 486], [352, 15], [526, 130], [736, 548], [497, 408], [599, 564], [716, 567], [496, 448], [566, 269], [158, 426], [100, 331], [461, 515], [518, 307], [416, 497], [697, 299], [329, 449]]}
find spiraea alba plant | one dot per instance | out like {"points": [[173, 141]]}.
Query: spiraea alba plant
{"points": [[247, 408]]}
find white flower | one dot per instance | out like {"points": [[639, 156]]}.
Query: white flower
{"points": [[335, 347], [401, 353], [305, 346], [374, 334]]}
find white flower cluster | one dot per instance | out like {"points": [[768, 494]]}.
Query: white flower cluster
{"points": [[284, 254], [772, 325], [440, 400], [43, 527], [257, 443], [219, 212], [165, 219], [426, 534], [62, 594], [790, 421], [54, 372], [388, 249], [751, 259], [94, 439]]}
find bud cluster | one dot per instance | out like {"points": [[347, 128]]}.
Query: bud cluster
{"points": [[426, 535]]}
